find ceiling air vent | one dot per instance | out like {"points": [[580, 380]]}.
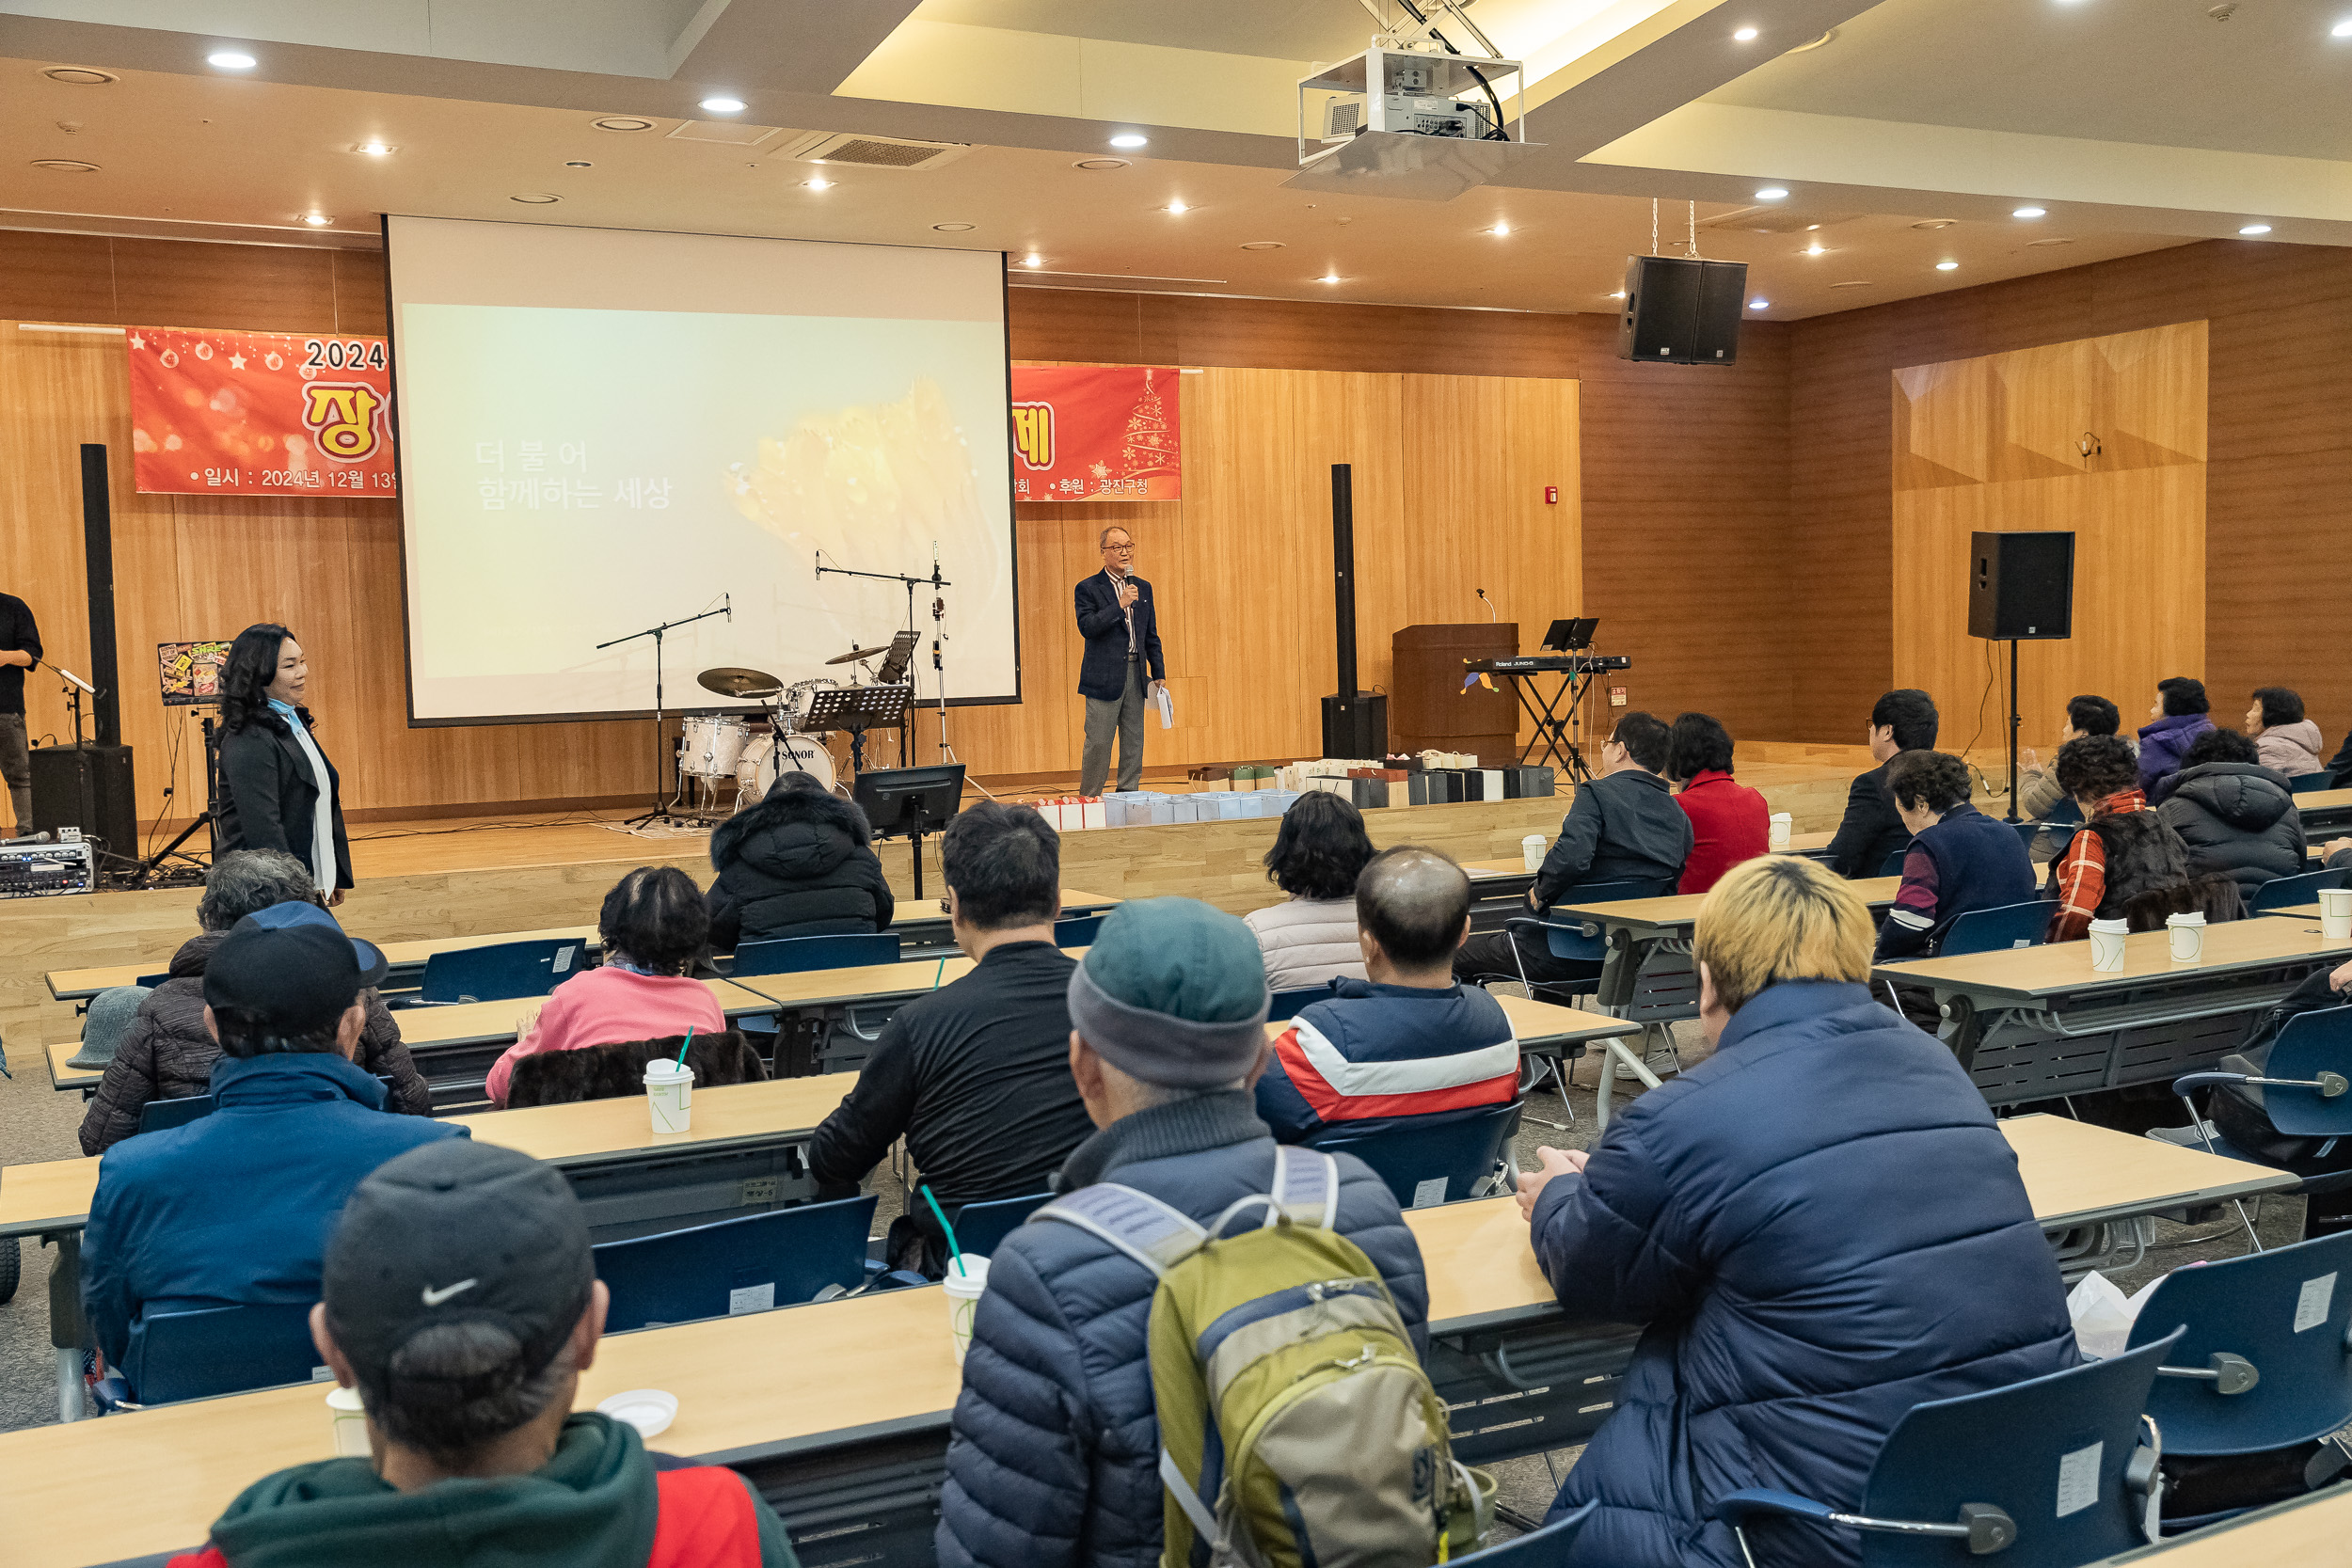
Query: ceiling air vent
{"points": [[861, 151]]}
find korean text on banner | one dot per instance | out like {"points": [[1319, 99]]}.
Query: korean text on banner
{"points": [[1096, 433], [259, 413]]}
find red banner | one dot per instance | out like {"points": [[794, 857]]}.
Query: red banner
{"points": [[261, 413], [1095, 433]]}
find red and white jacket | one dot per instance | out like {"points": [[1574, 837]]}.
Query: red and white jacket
{"points": [[1374, 1055]]}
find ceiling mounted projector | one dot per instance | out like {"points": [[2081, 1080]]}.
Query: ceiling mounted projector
{"points": [[1409, 124]]}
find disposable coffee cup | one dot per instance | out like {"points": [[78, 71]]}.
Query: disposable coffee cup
{"points": [[2106, 946], [349, 1422], [670, 1094], [2187, 932], [1532, 851], [1781, 823], [2335, 912], [965, 1290]]}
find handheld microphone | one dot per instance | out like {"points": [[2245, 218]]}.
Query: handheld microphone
{"points": [[42, 837]]}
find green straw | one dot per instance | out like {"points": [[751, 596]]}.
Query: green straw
{"points": [[681, 1050], [939, 974], [955, 1248]]}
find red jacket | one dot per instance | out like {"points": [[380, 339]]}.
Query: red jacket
{"points": [[1729, 823]]}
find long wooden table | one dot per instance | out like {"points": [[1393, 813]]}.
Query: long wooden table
{"points": [[2314, 1530], [2325, 810], [839, 1410]]}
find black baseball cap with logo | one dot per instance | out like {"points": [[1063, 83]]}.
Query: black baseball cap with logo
{"points": [[456, 1232], [292, 967]]}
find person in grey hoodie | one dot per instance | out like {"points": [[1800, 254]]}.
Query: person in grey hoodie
{"points": [[2237, 817], [2284, 741]]}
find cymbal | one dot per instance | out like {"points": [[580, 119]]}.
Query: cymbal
{"points": [[856, 654], [733, 680]]}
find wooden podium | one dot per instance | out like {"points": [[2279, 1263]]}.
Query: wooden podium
{"points": [[1428, 707]]}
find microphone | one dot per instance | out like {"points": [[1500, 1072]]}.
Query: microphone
{"points": [[1489, 603], [35, 838], [935, 563], [729, 606]]}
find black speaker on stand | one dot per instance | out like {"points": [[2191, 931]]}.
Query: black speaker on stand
{"points": [[2020, 588], [1355, 723]]}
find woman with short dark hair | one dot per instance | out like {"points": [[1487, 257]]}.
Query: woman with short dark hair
{"points": [[2285, 742], [1729, 822], [2124, 848], [652, 925], [2180, 714], [277, 790], [1958, 859], [1317, 854]]}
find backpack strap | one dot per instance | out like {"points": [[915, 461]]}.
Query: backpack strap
{"points": [[1306, 1187], [1135, 1222]]}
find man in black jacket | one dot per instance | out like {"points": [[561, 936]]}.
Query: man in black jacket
{"points": [[1872, 830], [1123, 668], [20, 650], [1622, 827], [976, 1077]]}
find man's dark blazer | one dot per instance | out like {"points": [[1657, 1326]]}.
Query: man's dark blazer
{"points": [[267, 796], [1871, 831], [1104, 672]]}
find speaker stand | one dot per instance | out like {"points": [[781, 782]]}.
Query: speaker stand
{"points": [[2015, 722]]}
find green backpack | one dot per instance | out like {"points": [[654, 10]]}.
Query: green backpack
{"points": [[1298, 1429]]}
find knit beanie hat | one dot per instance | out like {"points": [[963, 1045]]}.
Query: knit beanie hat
{"points": [[1173, 992]]}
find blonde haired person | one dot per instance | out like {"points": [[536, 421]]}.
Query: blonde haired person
{"points": [[1820, 1224]]}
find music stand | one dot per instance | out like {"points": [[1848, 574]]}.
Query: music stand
{"points": [[910, 801], [1572, 635]]}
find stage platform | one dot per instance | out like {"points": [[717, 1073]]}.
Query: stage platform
{"points": [[442, 878]]}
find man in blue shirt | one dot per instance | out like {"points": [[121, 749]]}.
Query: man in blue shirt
{"points": [[234, 1208]]}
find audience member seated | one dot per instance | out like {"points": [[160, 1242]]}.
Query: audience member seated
{"points": [[1871, 830], [2180, 714], [1053, 1456], [1764, 1213], [799, 864], [1958, 859], [2123, 850], [2038, 791], [1311, 937], [462, 1304], [653, 925], [2285, 743], [1410, 1044], [169, 1053], [976, 1077], [1729, 822], [233, 1208], [1621, 827], [2236, 817]]}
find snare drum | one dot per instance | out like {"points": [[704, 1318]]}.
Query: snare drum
{"points": [[768, 758], [714, 744]]}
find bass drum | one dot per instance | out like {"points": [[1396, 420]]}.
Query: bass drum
{"points": [[768, 758]]}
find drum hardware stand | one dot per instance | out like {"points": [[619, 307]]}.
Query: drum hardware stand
{"points": [[143, 876], [906, 739], [664, 802], [939, 669]]}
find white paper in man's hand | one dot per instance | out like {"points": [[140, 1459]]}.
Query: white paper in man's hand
{"points": [[1167, 705]]}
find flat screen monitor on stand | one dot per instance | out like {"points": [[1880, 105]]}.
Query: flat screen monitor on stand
{"points": [[911, 802]]}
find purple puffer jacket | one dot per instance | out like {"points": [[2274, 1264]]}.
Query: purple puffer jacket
{"points": [[2163, 744]]}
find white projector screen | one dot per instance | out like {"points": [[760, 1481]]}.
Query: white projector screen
{"points": [[604, 430]]}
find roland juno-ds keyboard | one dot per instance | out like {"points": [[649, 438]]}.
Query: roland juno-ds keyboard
{"points": [[1543, 664]]}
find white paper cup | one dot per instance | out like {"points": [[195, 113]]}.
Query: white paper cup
{"points": [[2335, 912], [669, 1095], [348, 1421], [1782, 822], [649, 1410], [2187, 932], [2106, 946], [1532, 851], [965, 1291]]}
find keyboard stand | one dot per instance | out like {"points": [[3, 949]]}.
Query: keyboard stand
{"points": [[1556, 736]]}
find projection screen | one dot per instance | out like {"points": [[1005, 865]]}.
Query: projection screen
{"points": [[602, 430]]}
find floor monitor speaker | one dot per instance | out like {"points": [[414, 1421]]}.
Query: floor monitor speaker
{"points": [[87, 787]]}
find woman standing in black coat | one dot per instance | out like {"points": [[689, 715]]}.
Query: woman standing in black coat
{"points": [[277, 790], [799, 864]]}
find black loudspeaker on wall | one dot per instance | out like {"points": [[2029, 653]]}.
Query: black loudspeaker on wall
{"points": [[2021, 586], [87, 787], [1680, 311]]}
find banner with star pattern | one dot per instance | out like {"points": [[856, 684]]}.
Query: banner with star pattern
{"points": [[259, 413], [1096, 433]]}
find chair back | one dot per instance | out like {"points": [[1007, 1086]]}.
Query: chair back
{"points": [[2309, 1045], [220, 1350], [1547, 1547], [2068, 1436], [1077, 931], [2302, 784], [158, 1115], [501, 971], [778, 1258], [1893, 865], [1562, 933], [150, 981], [1287, 1003], [2285, 892], [2007, 925], [798, 955], [1426, 1166], [981, 1226], [2283, 1312]]}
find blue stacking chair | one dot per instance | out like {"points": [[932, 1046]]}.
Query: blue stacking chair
{"points": [[2302, 784], [778, 1258], [219, 1349], [2285, 892], [499, 973], [2007, 925], [158, 1115], [981, 1226], [2306, 1077], [1427, 1166], [150, 981], [1893, 865], [1547, 1547], [1077, 931], [1287, 1003], [800, 955], [1966, 1477], [1582, 939]]}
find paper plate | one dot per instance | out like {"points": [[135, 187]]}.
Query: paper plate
{"points": [[649, 1410]]}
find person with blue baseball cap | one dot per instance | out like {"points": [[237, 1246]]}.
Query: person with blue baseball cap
{"points": [[235, 1207]]}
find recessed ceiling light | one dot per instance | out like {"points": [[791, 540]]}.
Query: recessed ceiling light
{"points": [[317, 220], [1176, 209], [1815, 250], [1261, 244], [79, 75], [2255, 229], [1948, 266], [230, 59], [722, 105], [1127, 141], [2341, 30], [66, 165], [954, 228], [1098, 165], [1328, 278], [817, 182], [1033, 259], [1759, 304], [578, 163], [1830, 36], [375, 149], [1771, 192], [1500, 230], [621, 122], [2030, 213], [1745, 35], [536, 199]]}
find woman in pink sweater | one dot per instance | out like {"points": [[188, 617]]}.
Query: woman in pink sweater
{"points": [[653, 925]]}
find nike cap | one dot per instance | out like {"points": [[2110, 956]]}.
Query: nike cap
{"points": [[456, 1232]]}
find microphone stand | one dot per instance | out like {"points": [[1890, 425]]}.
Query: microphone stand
{"points": [[662, 802], [906, 732]]}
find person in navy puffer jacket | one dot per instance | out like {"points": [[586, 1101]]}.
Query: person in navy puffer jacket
{"points": [[1054, 1457], [1822, 1227]]}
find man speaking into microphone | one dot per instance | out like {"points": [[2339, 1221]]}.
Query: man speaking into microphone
{"points": [[1122, 667]]}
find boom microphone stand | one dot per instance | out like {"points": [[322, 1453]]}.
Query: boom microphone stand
{"points": [[663, 801]]}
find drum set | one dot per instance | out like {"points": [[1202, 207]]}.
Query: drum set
{"points": [[719, 749]]}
